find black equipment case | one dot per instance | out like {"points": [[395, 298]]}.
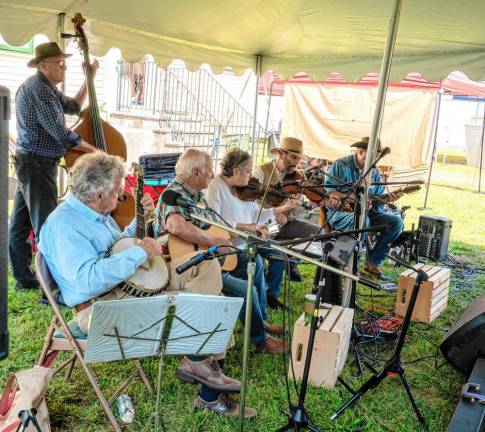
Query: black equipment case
{"points": [[469, 415]]}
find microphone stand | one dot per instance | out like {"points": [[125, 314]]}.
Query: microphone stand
{"points": [[299, 418], [395, 365]]}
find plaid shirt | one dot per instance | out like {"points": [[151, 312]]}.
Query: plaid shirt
{"points": [[40, 118], [186, 192]]}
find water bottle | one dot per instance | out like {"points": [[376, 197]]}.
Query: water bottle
{"points": [[125, 408]]}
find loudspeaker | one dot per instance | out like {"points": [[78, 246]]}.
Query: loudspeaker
{"points": [[434, 236], [465, 341]]}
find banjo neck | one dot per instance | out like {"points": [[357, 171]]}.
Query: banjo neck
{"points": [[140, 230]]}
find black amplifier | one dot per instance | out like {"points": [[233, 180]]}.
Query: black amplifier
{"points": [[433, 236]]}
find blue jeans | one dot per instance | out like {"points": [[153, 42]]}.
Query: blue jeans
{"points": [[235, 287], [241, 272], [276, 267], [342, 221]]}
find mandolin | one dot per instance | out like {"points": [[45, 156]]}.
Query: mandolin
{"points": [[98, 132]]}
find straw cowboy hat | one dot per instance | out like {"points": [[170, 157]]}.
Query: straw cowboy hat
{"points": [[364, 142], [45, 50], [290, 145]]}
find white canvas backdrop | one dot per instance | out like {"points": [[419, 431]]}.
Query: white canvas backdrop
{"points": [[328, 118]]}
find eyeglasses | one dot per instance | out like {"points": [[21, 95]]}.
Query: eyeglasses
{"points": [[59, 62]]}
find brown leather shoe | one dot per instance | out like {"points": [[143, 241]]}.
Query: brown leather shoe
{"points": [[274, 329], [275, 346], [207, 372], [224, 405], [374, 271]]}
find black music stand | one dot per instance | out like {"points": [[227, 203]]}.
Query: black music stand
{"points": [[395, 365]]}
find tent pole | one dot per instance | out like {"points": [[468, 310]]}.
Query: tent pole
{"points": [[4, 124], [435, 148], [381, 95], [255, 121], [481, 153], [61, 182]]}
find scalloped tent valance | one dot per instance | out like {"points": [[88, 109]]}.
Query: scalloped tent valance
{"points": [[435, 37]]}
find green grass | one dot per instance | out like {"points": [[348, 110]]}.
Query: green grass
{"points": [[73, 406]]}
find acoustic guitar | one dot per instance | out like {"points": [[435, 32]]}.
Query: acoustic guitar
{"points": [[178, 247], [386, 198]]}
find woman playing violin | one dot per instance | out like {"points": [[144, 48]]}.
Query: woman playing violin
{"points": [[221, 196]]}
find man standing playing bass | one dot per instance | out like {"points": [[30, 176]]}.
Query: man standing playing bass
{"points": [[43, 139]]}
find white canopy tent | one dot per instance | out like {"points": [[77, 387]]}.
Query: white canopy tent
{"points": [[314, 36], [286, 36]]}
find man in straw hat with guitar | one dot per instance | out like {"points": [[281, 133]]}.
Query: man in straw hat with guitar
{"points": [[347, 170], [43, 139]]}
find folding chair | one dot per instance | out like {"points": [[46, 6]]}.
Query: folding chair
{"points": [[62, 336]]}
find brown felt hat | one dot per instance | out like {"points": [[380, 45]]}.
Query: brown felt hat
{"points": [[364, 142], [45, 50], [290, 145]]}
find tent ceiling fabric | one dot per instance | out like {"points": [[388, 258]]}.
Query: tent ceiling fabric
{"points": [[435, 37]]}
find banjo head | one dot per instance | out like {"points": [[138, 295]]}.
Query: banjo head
{"points": [[150, 278]]}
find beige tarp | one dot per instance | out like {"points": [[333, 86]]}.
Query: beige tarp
{"points": [[435, 37], [329, 118]]}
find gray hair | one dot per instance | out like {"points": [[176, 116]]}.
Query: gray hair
{"points": [[190, 160], [93, 173]]}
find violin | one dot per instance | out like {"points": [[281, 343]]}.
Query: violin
{"points": [[92, 129], [255, 190], [297, 183]]}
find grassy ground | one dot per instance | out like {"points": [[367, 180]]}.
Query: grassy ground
{"points": [[73, 406]]}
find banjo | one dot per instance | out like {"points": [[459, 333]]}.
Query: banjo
{"points": [[152, 276]]}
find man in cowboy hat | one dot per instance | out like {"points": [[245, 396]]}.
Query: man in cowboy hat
{"points": [[43, 139], [288, 157], [347, 170]]}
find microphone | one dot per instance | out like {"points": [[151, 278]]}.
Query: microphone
{"points": [[170, 197], [196, 259], [385, 151]]}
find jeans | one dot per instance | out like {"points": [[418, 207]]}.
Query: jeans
{"points": [[235, 287], [35, 199], [276, 267], [241, 272], [342, 221]]}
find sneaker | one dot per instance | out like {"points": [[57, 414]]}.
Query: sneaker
{"points": [[224, 405], [295, 274], [29, 285], [274, 303]]}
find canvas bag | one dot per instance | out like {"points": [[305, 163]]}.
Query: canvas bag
{"points": [[25, 390]]}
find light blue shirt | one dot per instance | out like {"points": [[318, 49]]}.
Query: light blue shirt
{"points": [[75, 240]]}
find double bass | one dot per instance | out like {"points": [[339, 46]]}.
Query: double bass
{"points": [[98, 132]]}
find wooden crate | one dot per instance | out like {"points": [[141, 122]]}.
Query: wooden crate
{"points": [[432, 297], [330, 349]]}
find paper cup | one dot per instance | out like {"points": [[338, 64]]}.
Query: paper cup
{"points": [[309, 307]]}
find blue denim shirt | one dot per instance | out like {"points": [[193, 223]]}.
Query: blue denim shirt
{"points": [[75, 241], [40, 118], [346, 170]]}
